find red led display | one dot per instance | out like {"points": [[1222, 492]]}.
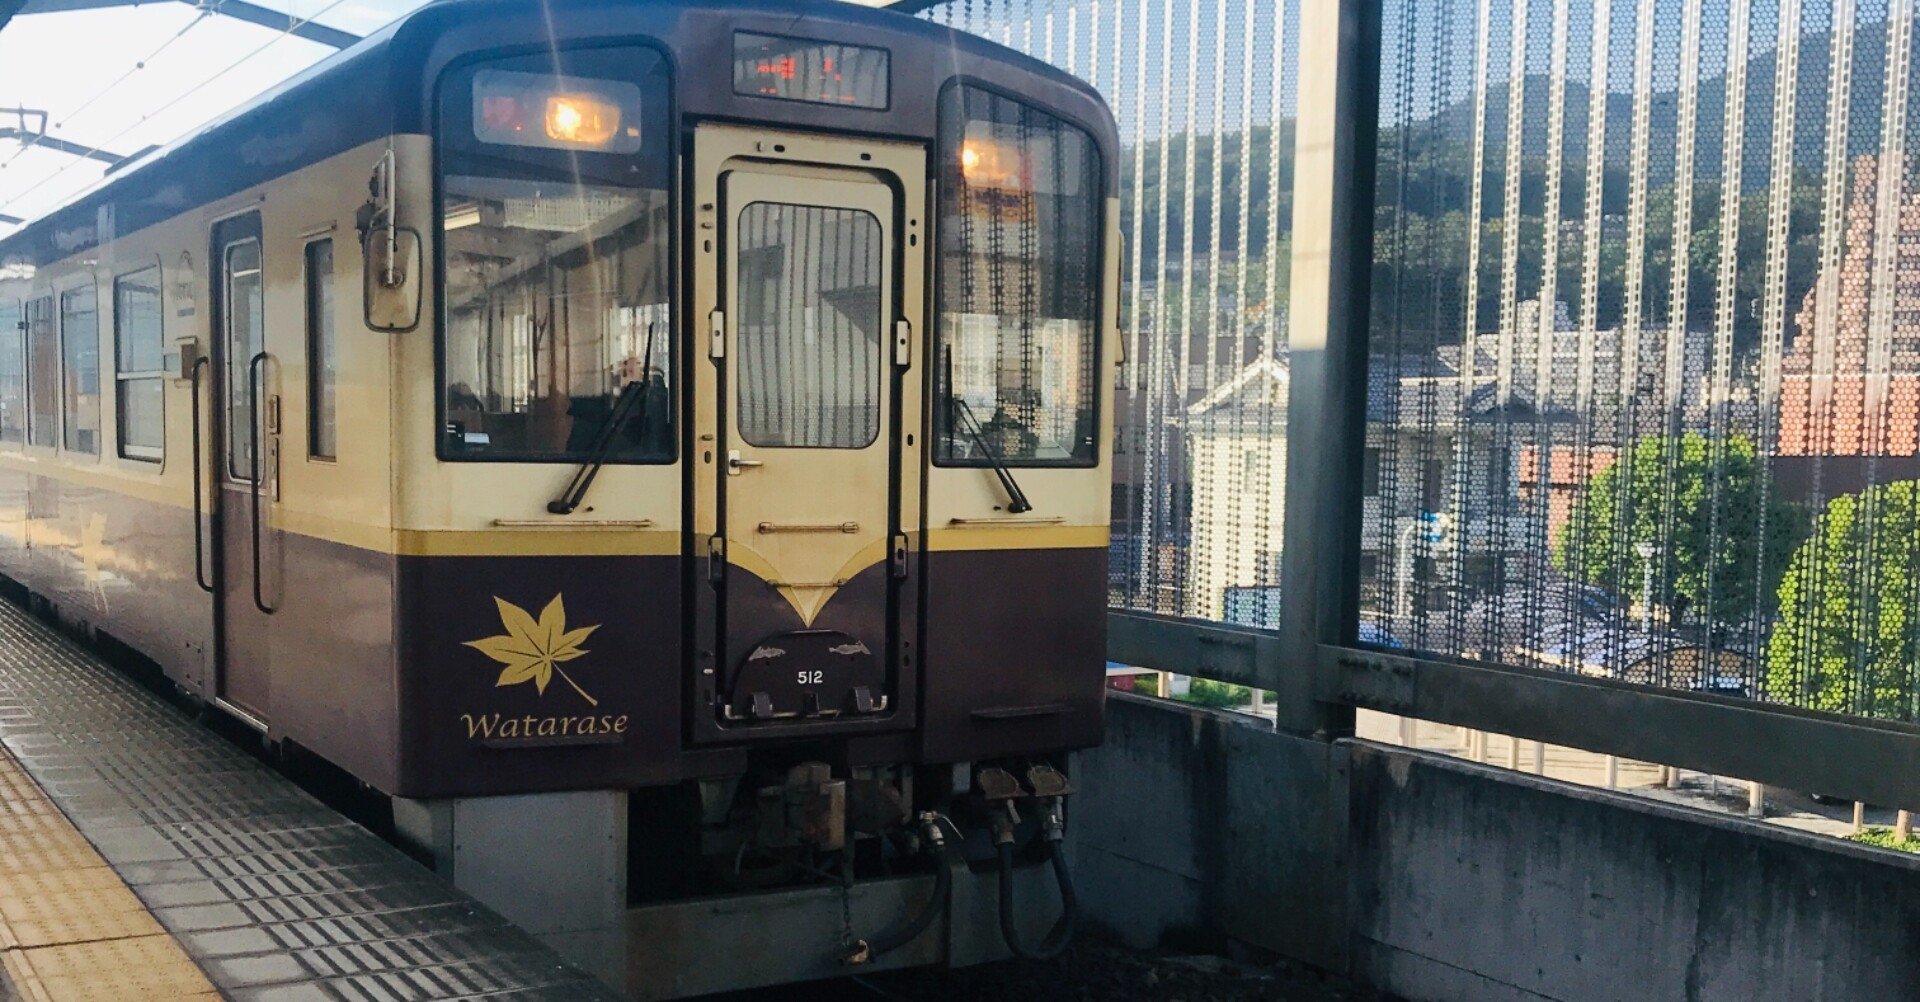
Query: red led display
{"points": [[799, 69]]}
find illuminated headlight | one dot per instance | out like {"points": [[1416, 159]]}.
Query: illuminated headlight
{"points": [[558, 113], [581, 119]]}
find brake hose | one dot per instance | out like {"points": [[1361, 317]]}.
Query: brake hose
{"points": [[1062, 935], [865, 951]]}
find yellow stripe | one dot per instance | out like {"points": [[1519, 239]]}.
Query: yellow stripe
{"points": [[1018, 537], [506, 542], [537, 543]]}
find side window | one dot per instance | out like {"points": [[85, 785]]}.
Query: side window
{"points": [[322, 350], [43, 373], [137, 346], [1018, 312], [13, 372], [80, 385]]}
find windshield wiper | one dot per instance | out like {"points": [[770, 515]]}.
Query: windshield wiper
{"points": [[1016, 498], [628, 401]]}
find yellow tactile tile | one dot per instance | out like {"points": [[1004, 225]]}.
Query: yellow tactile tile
{"points": [[70, 929], [111, 970], [38, 885]]}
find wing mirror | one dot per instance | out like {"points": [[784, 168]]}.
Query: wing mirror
{"points": [[390, 255]]}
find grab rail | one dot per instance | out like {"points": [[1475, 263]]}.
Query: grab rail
{"points": [[255, 369], [199, 508]]}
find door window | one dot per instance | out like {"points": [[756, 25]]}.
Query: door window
{"points": [[244, 340], [43, 373], [80, 347], [13, 373], [811, 326]]}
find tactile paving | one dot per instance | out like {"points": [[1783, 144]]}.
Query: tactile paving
{"points": [[70, 929], [185, 842]]}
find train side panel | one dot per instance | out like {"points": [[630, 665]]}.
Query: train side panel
{"points": [[110, 539]]}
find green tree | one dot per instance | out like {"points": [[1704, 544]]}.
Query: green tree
{"points": [[1848, 639], [1671, 499]]}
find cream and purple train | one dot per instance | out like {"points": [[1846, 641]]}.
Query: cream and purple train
{"points": [[706, 402]]}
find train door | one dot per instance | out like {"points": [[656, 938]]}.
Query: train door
{"points": [[241, 465], [806, 425]]}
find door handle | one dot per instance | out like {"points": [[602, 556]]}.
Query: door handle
{"points": [[735, 464], [255, 376], [199, 548]]}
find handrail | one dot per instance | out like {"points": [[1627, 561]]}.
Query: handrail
{"points": [[199, 509], [255, 369]]}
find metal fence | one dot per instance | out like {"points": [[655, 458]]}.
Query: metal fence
{"points": [[1645, 363], [1639, 349], [1204, 95]]}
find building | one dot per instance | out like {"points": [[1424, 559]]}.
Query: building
{"points": [[1850, 381], [1237, 443]]}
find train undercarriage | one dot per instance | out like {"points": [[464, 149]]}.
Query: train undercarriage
{"points": [[799, 869]]}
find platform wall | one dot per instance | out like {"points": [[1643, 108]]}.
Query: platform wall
{"points": [[1439, 879]]}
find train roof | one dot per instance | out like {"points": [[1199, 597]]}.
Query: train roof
{"points": [[380, 86]]}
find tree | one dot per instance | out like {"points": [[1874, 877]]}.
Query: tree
{"points": [[1848, 639], [1671, 500]]}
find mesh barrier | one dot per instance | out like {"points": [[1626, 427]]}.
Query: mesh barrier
{"points": [[1204, 97], [1645, 371]]}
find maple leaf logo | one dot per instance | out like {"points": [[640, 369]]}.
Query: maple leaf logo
{"points": [[532, 650]]}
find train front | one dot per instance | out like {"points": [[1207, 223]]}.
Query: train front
{"points": [[753, 578]]}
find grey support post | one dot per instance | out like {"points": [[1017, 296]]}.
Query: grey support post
{"points": [[554, 864], [1335, 136]]}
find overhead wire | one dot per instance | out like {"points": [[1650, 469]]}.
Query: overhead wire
{"points": [[140, 64], [57, 122], [196, 88]]}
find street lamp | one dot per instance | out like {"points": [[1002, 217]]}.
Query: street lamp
{"points": [[1647, 552]]}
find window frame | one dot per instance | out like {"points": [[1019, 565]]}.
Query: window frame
{"points": [[314, 336], [676, 301], [140, 453], [61, 341], [936, 278]]}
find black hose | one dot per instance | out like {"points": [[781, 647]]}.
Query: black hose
{"points": [[1062, 935], [867, 950]]}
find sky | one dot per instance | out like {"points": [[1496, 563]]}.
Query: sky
{"points": [[125, 79]]}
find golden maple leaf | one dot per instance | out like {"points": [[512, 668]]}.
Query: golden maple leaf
{"points": [[532, 650]]}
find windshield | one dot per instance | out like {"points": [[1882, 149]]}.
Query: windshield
{"points": [[1019, 294], [556, 236]]}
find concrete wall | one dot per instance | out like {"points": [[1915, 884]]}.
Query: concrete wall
{"points": [[1440, 879]]}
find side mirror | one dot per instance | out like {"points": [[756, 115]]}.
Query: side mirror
{"points": [[391, 279], [390, 258]]}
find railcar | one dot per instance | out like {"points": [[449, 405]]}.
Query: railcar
{"points": [[676, 434]]}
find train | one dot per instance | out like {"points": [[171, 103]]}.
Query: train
{"points": [[677, 431]]}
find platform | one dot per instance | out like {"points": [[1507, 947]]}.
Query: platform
{"points": [[143, 857]]}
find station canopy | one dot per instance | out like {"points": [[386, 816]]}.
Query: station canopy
{"points": [[86, 84]]}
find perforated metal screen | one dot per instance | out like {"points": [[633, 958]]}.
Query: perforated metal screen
{"points": [[1646, 344], [1204, 97]]}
